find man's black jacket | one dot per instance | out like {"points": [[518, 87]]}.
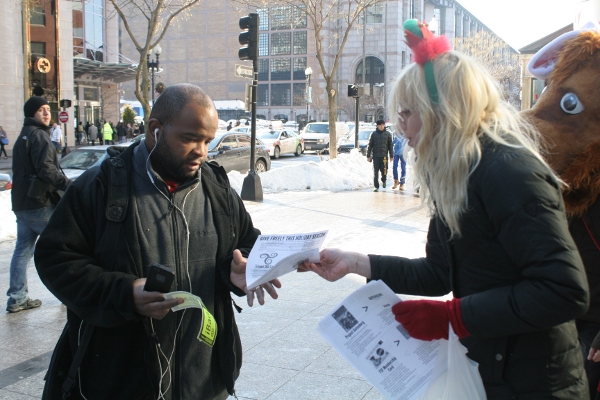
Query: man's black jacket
{"points": [[75, 258], [380, 144], [34, 155]]}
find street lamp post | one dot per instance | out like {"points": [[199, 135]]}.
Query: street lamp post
{"points": [[308, 73], [153, 66]]}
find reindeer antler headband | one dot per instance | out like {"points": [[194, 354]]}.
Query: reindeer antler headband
{"points": [[425, 47]]}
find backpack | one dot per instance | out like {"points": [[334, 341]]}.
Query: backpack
{"points": [[63, 365]]}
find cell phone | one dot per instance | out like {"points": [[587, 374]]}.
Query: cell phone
{"points": [[160, 278]]}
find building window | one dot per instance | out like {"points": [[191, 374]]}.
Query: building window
{"points": [[300, 42], [78, 45], [403, 60], [281, 43], [281, 17], [281, 94], [262, 95], [281, 69], [37, 16], [375, 14], [299, 17], [263, 44], [537, 87], [263, 69], [299, 94], [299, 67], [373, 72], [94, 29], [38, 49], [263, 16], [411, 9]]}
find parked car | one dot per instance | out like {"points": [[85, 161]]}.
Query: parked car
{"points": [[280, 142], [83, 158], [316, 135], [5, 182], [231, 150], [241, 128], [363, 141]]}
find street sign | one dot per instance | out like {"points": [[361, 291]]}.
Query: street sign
{"points": [[63, 117], [244, 71]]}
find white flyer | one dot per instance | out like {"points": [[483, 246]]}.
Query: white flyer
{"points": [[362, 328], [275, 255]]}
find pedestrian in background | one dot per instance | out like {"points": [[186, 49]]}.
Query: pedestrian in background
{"points": [[107, 133], [129, 132], [142, 128], [56, 136], [121, 132], [136, 130], [80, 131], [380, 146], [87, 131], [399, 142], [93, 134], [498, 238], [36, 179], [3, 142]]}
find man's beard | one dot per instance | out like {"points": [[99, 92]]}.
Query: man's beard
{"points": [[174, 167]]}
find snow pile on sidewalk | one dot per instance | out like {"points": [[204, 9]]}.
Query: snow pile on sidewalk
{"points": [[8, 224], [346, 172]]}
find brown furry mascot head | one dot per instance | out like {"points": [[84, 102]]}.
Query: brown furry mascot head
{"points": [[568, 113]]}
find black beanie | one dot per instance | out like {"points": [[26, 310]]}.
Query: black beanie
{"points": [[33, 104]]}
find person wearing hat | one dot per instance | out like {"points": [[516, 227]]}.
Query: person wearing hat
{"points": [[380, 146], [36, 179]]}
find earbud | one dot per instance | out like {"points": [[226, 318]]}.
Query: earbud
{"points": [[155, 132]]}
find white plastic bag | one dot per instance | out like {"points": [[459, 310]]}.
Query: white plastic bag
{"points": [[455, 376]]}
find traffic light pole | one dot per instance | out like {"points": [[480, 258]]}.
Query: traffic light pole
{"points": [[251, 187]]}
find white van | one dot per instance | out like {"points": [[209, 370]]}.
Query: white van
{"points": [[316, 135]]}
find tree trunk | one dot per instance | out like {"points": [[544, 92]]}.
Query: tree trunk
{"points": [[331, 93]]}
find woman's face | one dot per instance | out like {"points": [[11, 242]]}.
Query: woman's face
{"points": [[410, 124]]}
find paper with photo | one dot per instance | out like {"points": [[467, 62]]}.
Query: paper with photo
{"points": [[362, 328]]}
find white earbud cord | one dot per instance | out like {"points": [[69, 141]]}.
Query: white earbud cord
{"points": [[159, 350]]}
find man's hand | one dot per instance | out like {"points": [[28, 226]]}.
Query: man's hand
{"points": [[369, 159], [336, 264], [151, 304], [238, 278]]}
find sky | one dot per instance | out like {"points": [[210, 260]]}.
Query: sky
{"points": [[346, 172], [521, 22]]}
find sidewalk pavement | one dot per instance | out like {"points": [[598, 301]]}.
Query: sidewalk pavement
{"points": [[284, 356]]}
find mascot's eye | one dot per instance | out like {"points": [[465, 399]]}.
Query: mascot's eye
{"points": [[571, 104]]}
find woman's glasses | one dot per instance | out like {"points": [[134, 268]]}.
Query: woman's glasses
{"points": [[404, 114]]}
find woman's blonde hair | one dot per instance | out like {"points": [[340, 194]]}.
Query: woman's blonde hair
{"points": [[449, 149]]}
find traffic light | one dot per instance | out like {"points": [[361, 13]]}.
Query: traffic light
{"points": [[65, 103], [249, 38]]}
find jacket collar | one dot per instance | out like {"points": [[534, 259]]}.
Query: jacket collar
{"points": [[34, 122]]}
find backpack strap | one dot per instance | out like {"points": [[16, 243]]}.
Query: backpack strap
{"points": [[117, 201]]}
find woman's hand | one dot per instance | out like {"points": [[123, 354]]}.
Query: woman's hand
{"points": [[335, 264], [238, 278]]}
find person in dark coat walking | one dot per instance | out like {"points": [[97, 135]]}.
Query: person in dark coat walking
{"points": [[498, 238], [380, 150], [36, 179]]}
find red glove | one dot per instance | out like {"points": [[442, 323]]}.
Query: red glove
{"points": [[428, 319]]}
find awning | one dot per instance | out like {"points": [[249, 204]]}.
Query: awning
{"points": [[115, 72]]}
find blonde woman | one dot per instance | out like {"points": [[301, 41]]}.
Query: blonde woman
{"points": [[498, 237]]}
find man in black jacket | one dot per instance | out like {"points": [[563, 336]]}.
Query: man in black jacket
{"points": [[36, 178], [380, 145], [174, 209]]}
